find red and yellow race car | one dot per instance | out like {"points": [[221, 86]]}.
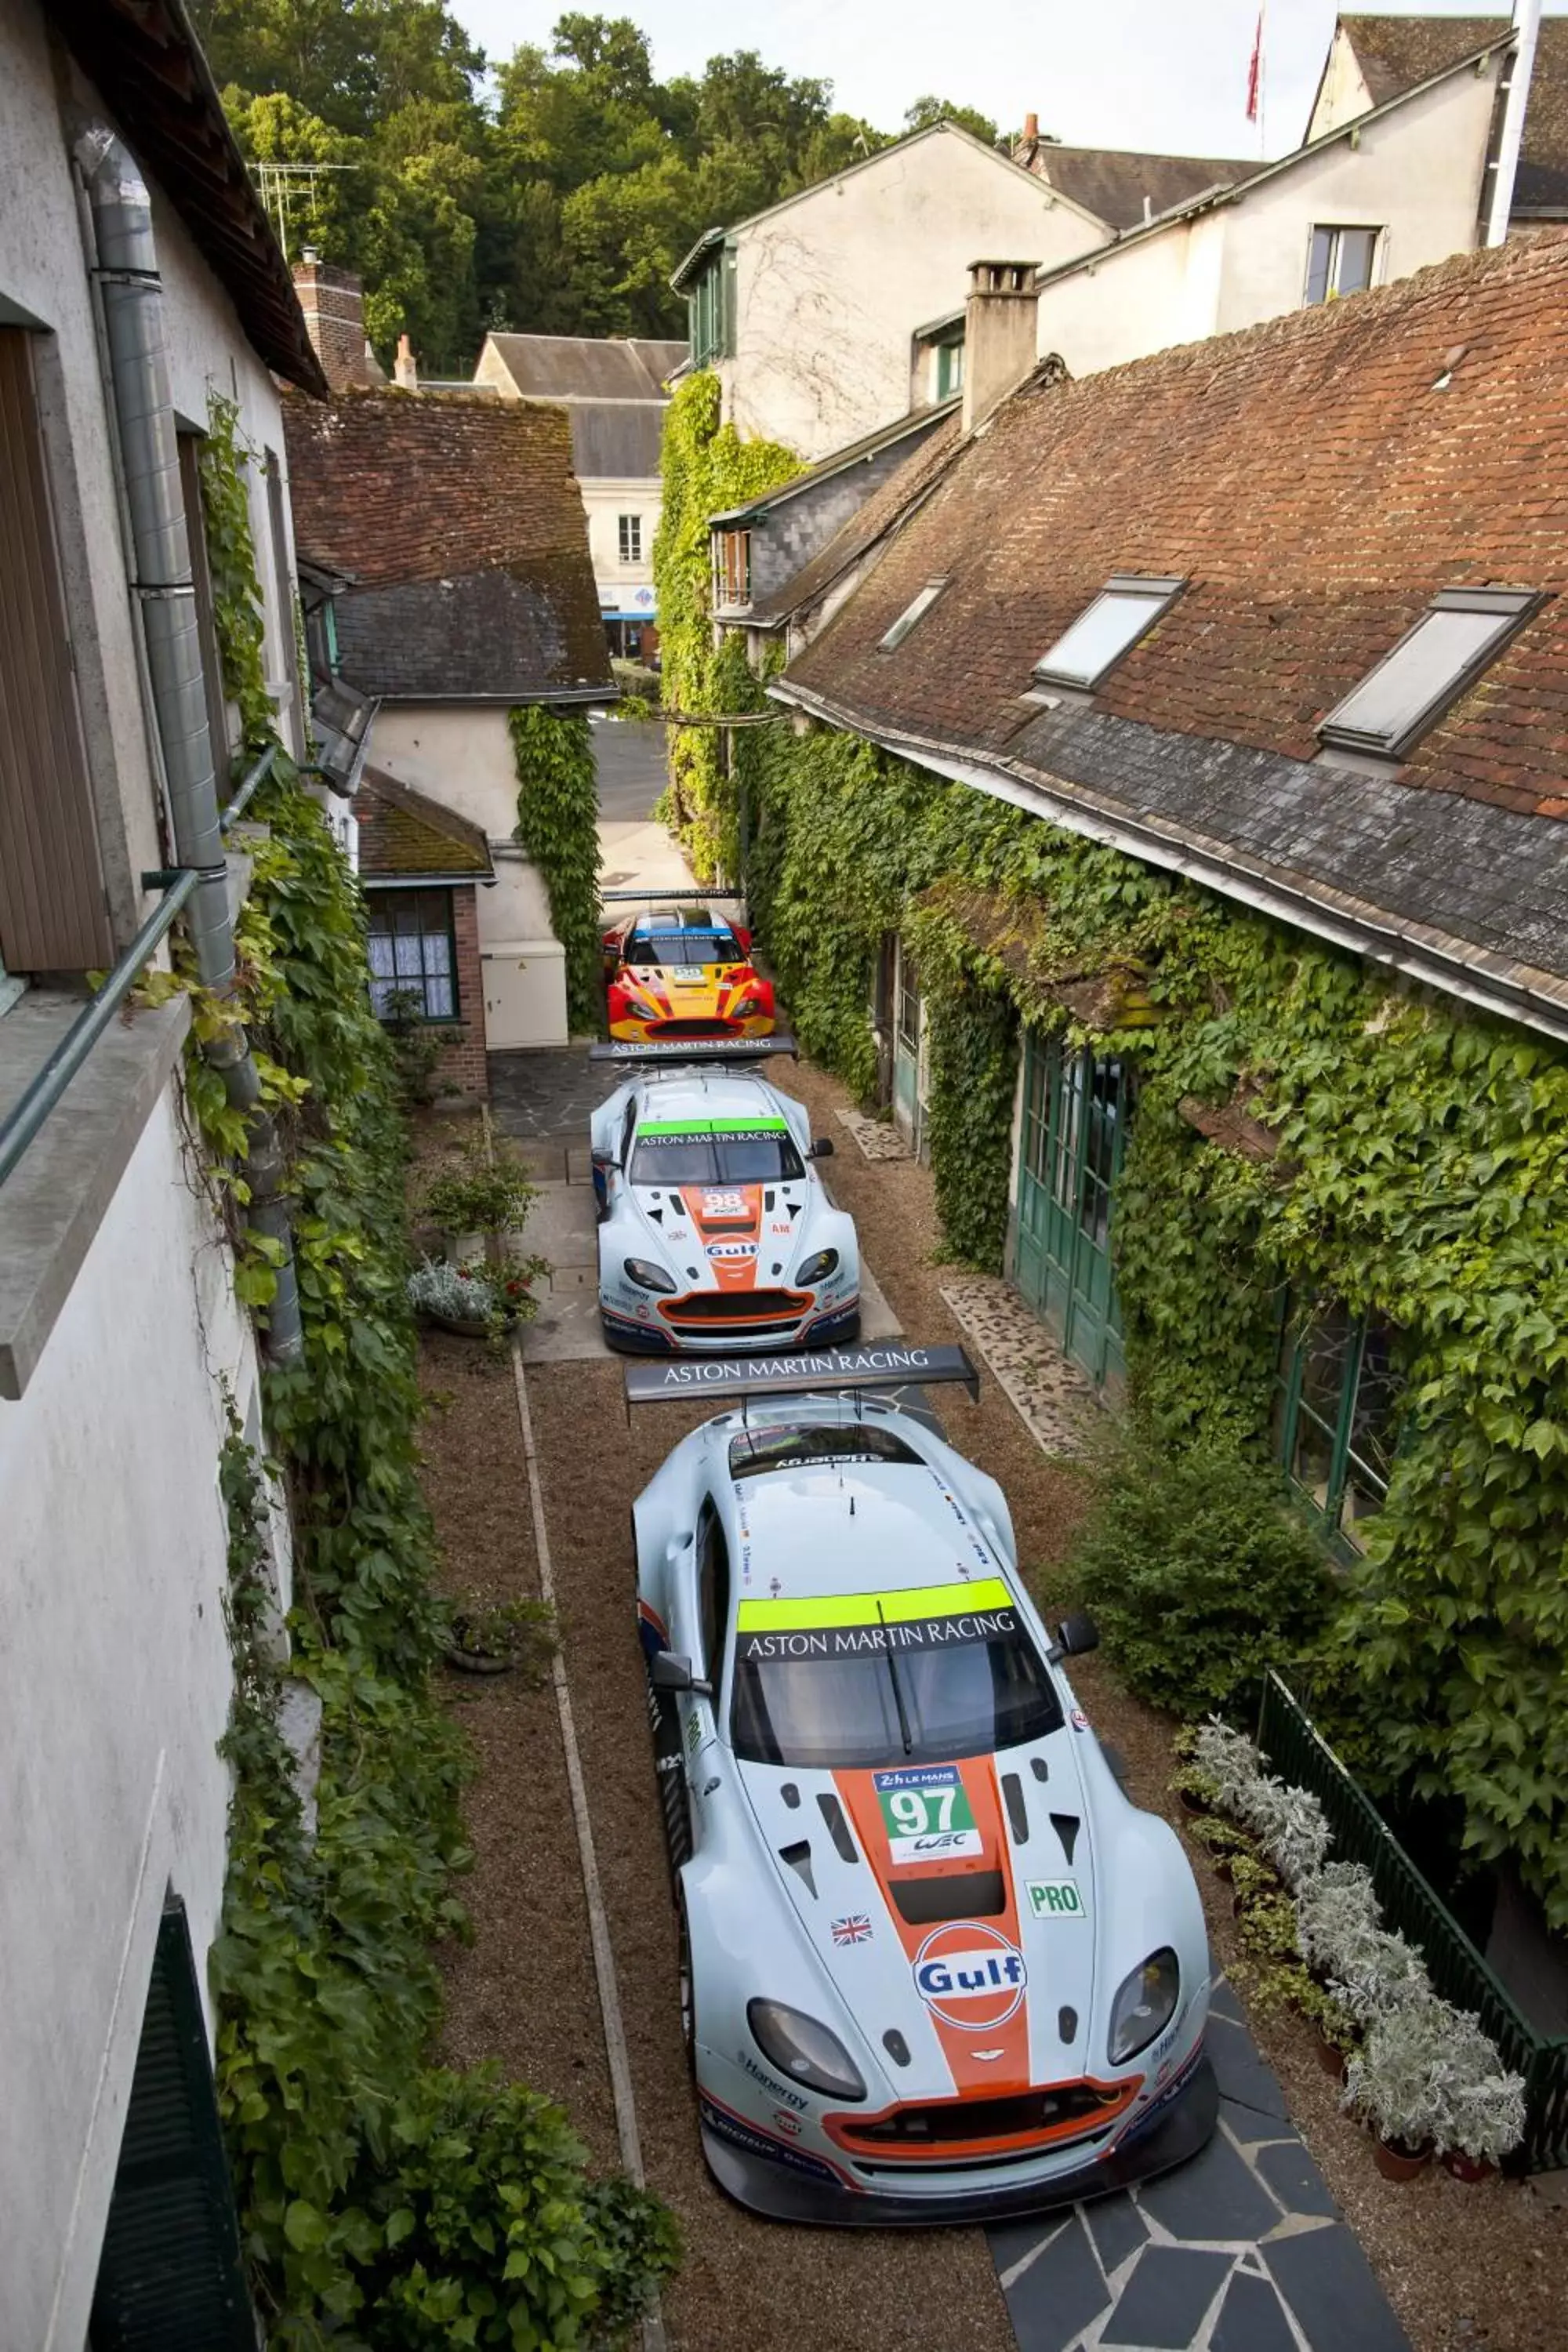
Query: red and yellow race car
{"points": [[683, 971]]}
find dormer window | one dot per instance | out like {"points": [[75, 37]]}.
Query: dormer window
{"points": [[910, 615], [1459, 635], [1125, 609]]}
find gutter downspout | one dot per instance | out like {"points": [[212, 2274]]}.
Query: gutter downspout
{"points": [[1527, 23], [125, 272]]}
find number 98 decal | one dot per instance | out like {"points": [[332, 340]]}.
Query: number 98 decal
{"points": [[926, 1813]]}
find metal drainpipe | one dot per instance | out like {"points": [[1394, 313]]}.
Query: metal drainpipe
{"points": [[126, 271]]}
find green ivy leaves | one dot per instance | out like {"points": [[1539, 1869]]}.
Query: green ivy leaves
{"points": [[558, 826]]}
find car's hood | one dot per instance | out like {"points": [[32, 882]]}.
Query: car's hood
{"points": [[688, 992], [727, 1236], [975, 1943]]}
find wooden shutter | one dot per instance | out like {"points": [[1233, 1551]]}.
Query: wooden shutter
{"points": [[52, 912], [170, 2278]]}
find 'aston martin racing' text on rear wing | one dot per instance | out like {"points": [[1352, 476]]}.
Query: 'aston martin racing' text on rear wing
{"points": [[826, 1372], [736, 1050]]}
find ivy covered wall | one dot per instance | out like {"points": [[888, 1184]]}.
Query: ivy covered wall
{"points": [[1422, 1173]]}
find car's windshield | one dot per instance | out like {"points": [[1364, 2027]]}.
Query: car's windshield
{"points": [[803, 1445], [717, 945], [963, 1679], [712, 1151]]}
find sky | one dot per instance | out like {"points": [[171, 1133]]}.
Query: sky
{"points": [[1162, 75]]}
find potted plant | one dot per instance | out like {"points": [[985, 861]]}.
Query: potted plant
{"points": [[1398, 2084], [1337, 1911], [1228, 1763], [1486, 2103], [485, 1193], [1377, 1974], [1291, 1827], [1335, 2038], [1223, 1841], [457, 1297], [493, 1637]]}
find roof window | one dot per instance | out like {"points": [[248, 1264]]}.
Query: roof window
{"points": [[1126, 608], [1461, 634], [910, 615]]}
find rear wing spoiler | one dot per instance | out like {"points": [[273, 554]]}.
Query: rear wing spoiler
{"points": [[631, 1050], [828, 1371], [647, 898]]}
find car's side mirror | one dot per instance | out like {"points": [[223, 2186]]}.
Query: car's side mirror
{"points": [[744, 938], [670, 1672], [822, 1148], [1076, 1635]]}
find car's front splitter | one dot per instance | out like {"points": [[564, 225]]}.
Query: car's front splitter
{"points": [[629, 1337], [784, 2190]]}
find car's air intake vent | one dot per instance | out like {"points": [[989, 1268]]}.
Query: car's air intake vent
{"points": [[838, 1828], [1065, 1826], [1066, 2023], [897, 2048], [1017, 1811], [1057, 2113], [959, 1894], [799, 1859]]}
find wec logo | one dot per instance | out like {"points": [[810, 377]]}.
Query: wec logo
{"points": [[970, 1976]]}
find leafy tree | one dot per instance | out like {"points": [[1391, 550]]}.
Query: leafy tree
{"points": [[929, 111]]}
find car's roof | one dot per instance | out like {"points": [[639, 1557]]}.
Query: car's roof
{"points": [[678, 919], [699, 1094], [800, 1541]]}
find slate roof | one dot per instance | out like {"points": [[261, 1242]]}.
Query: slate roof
{"points": [[853, 542], [1316, 487], [918, 421], [588, 367], [403, 835], [148, 68], [617, 440], [1112, 183], [1394, 53], [460, 522]]}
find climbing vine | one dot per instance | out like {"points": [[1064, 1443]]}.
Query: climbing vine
{"points": [[231, 565], [707, 468], [558, 826], [1416, 1168], [382, 2200]]}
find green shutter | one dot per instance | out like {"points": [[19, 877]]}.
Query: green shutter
{"points": [[170, 2277]]}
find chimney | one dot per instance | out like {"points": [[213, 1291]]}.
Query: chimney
{"points": [[333, 303], [405, 367], [1031, 128], [999, 329]]}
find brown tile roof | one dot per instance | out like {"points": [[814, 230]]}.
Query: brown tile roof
{"points": [[461, 523], [1112, 183], [401, 833], [1394, 53], [1316, 487]]}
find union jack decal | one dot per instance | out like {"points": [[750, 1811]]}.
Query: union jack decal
{"points": [[855, 1930]]}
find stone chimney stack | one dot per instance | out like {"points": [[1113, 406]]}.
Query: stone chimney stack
{"points": [[1000, 325], [334, 304], [405, 367]]}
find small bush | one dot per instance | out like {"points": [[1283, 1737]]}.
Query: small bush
{"points": [[1200, 1574]]}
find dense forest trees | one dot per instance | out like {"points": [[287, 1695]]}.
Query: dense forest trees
{"points": [[550, 194]]}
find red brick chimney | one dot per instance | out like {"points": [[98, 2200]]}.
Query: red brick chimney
{"points": [[405, 367], [1000, 325], [334, 304]]}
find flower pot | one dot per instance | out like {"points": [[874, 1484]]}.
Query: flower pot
{"points": [[1330, 2057], [1467, 2168], [472, 1662], [1397, 2162], [1190, 1803], [466, 1327]]}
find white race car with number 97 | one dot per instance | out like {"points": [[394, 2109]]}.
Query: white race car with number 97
{"points": [[934, 1964]]}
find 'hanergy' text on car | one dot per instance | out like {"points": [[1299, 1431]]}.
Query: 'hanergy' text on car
{"points": [[934, 1964], [715, 1232]]}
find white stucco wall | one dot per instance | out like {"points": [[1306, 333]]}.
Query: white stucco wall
{"points": [[830, 288], [43, 270], [115, 1691], [462, 756], [1415, 174], [622, 586], [1344, 93]]}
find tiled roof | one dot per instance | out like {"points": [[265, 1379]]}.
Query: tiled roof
{"points": [[855, 539], [403, 834], [1316, 480], [1123, 188], [587, 367], [1394, 53], [462, 526], [617, 440]]}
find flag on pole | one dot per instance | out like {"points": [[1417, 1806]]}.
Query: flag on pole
{"points": [[1254, 72]]}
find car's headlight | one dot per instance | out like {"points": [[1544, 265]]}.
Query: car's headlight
{"points": [[818, 1268], [647, 1276], [803, 2050], [1145, 2005]]}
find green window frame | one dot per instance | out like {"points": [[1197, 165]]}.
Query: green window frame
{"points": [[1336, 1416], [413, 955], [950, 368], [710, 309]]}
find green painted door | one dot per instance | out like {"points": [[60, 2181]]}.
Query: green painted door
{"points": [[1075, 1119], [908, 1091]]}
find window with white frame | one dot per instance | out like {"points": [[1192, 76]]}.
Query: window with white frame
{"points": [[1459, 635], [1125, 609], [631, 538], [911, 612], [1339, 261]]}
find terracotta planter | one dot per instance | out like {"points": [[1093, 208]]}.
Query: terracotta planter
{"points": [[466, 1327], [1330, 2057], [1191, 1804], [471, 1662], [1397, 2162], [1466, 2168]]}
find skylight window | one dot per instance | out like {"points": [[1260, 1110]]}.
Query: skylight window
{"points": [[910, 615], [1462, 632], [1126, 608]]}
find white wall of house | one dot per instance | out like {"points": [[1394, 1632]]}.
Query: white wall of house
{"points": [[1415, 174], [461, 756], [623, 587], [1344, 93], [830, 287], [115, 1691]]}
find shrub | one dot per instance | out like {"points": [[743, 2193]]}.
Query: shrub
{"points": [[1429, 2075], [1199, 1573], [487, 1192]]}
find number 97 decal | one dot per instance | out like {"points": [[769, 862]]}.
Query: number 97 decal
{"points": [[926, 1813]]}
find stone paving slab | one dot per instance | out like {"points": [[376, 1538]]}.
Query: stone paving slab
{"points": [[1055, 1401], [1242, 2250], [878, 1138]]}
